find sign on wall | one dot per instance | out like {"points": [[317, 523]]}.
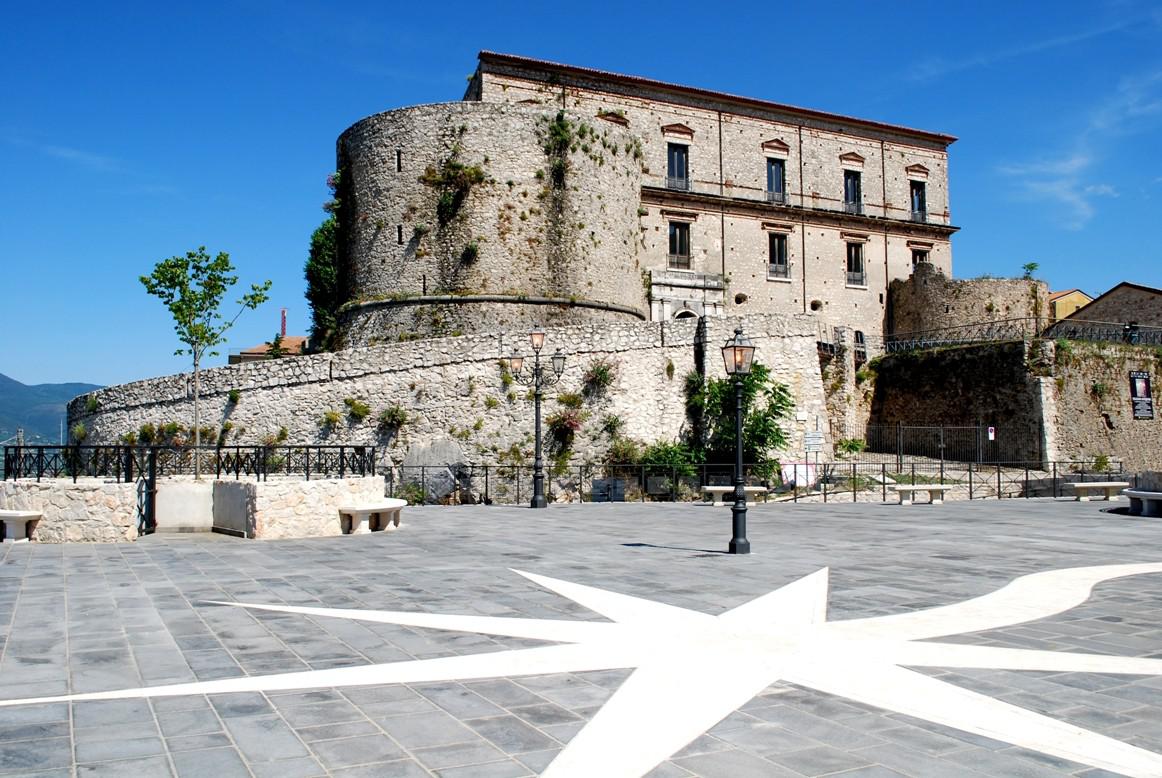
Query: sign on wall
{"points": [[1140, 399]]}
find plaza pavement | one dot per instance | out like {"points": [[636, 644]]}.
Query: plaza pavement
{"points": [[83, 618]]}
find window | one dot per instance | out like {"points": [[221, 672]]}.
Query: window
{"points": [[777, 266], [855, 274], [398, 160], [677, 166], [918, 256], [399, 234], [776, 181], [919, 198], [852, 192], [679, 256]]}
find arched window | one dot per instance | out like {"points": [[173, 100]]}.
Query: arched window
{"points": [[685, 313]]}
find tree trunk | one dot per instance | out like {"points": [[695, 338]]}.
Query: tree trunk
{"points": [[197, 423]]}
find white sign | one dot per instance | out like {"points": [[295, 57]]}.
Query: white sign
{"points": [[992, 433]]}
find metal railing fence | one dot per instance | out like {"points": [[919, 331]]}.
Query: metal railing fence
{"points": [[849, 481], [127, 463]]}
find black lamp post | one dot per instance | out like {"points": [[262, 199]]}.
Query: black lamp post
{"points": [[538, 379], [738, 354]]}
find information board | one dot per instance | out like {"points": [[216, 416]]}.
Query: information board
{"points": [[1140, 398]]}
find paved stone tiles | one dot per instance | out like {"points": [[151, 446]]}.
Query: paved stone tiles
{"points": [[98, 617]]}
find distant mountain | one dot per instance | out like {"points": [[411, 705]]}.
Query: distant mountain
{"points": [[35, 409]]}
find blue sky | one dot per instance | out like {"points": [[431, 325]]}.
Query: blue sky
{"points": [[131, 132]]}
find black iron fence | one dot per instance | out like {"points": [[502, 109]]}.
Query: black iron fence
{"points": [[129, 463], [980, 443], [1024, 329], [826, 481]]}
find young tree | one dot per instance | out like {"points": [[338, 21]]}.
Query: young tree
{"points": [[1029, 269], [192, 287], [322, 272]]}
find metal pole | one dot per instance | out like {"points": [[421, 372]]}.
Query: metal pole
{"points": [[738, 543], [538, 500]]}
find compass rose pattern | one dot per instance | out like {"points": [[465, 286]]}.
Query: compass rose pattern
{"points": [[692, 669]]}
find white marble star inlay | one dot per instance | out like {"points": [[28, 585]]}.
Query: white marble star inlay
{"points": [[691, 669]]}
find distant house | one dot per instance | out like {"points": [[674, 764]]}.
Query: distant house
{"points": [[1066, 303], [1124, 304], [291, 345]]}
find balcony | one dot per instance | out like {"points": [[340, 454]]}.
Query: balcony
{"points": [[778, 270], [856, 278], [680, 183], [678, 261], [920, 216], [779, 198], [855, 208]]}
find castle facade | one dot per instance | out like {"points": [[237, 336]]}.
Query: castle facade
{"points": [[558, 195]]}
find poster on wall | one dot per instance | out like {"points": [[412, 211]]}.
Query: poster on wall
{"points": [[1140, 399]]}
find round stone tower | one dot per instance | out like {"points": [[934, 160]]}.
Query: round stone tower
{"points": [[469, 217]]}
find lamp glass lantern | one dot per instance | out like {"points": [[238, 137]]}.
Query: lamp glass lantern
{"points": [[515, 364], [537, 338], [558, 362], [738, 354]]}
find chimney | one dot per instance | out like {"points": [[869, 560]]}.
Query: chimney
{"points": [[282, 329]]}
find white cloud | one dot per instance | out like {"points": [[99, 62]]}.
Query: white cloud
{"points": [[936, 67], [1063, 181]]}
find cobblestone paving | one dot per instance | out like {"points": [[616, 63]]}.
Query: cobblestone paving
{"points": [[82, 618]]}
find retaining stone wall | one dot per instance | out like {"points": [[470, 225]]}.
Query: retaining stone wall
{"points": [[453, 388], [89, 510]]}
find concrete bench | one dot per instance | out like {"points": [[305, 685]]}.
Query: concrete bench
{"points": [[372, 517], [935, 492], [19, 525], [1110, 488], [718, 492], [1143, 503]]}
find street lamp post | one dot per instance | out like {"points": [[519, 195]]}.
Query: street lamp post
{"points": [[738, 354], [538, 379]]}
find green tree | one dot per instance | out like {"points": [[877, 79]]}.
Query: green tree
{"points": [[275, 350], [1029, 269], [765, 403], [322, 272], [192, 288]]}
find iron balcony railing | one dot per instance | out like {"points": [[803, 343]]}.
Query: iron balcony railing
{"points": [[854, 208], [126, 463], [678, 261], [778, 270], [920, 216], [856, 279], [778, 198], [681, 183]]}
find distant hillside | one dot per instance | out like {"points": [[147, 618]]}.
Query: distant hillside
{"points": [[35, 409]]}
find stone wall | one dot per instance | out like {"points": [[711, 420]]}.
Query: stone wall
{"points": [[289, 507], [1125, 303], [929, 300], [89, 510], [455, 389], [414, 230], [1091, 410], [1049, 401]]}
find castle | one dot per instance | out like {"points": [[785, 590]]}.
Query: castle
{"points": [[638, 221], [558, 195]]}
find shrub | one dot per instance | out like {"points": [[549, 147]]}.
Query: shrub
{"points": [[470, 253], [357, 409], [331, 418], [79, 432], [91, 404], [412, 492], [612, 425], [1099, 390], [491, 403], [1101, 463], [677, 457], [669, 369], [171, 429], [598, 377], [129, 438], [622, 451], [850, 446], [392, 418], [563, 427], [283, 434], [147, 434], [233, 396], [570, 399]]}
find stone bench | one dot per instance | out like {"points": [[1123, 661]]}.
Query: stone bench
{"points": [[1143, 503], [19, 525], [716, 493], [372, 517], [935, 492], [1110, 488]]}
